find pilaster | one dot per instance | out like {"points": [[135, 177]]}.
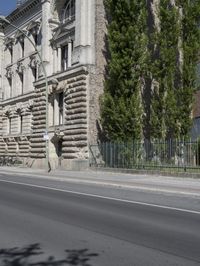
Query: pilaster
{"points": [[85, 31], [46, 33], [1, 61], [69, 54]]}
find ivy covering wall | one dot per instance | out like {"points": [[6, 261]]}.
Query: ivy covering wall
{"points": [[154, 49]]}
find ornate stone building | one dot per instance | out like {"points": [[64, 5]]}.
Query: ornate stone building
{"points": [[70, 37]]}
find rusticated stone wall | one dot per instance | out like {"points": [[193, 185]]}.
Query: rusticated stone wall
{"points": [[2, 147], [74, 130], [16, 143], [37, 143], [75, 140]]}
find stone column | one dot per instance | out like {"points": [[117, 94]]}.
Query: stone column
{"points": [[6, 88], [1, 61], [51, 111], [85, 30], [59, 59], [28, 79], [69, 63], [46, 33], [56, 110], [55, 61], [16, 84]]}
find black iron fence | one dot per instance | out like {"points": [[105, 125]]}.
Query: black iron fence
{"points": [[157, 154]]}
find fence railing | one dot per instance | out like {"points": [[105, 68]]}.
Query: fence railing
{"points": [[158, 154]]}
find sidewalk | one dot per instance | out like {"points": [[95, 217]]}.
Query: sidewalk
{"points": [[152, 183]]}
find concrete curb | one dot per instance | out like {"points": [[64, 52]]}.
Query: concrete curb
{"points": [[148, 172], [112, 183]]}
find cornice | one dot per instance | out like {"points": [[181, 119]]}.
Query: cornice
{"points": [[63, 32], [14, 100], [71, 72], [22, 10]]}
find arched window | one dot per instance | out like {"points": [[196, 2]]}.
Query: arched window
{"points": [[69, 10]]}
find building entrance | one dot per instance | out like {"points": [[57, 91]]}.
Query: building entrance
{"points": [[58, 146]]}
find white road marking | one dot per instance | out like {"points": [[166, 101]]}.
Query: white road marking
{"points": [[104, 197], [115, 185]]}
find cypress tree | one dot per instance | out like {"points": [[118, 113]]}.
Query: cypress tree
{"points": [[168, 57], [191, 48], [122, 107], [164, 116]]}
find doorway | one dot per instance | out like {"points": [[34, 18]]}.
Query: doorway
{"points": [[58, 147]]}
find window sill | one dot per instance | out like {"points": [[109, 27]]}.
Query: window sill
{"points": [[56, 127], [16, 135]]}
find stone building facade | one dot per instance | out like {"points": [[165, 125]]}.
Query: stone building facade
{"points": [[70, 36]]}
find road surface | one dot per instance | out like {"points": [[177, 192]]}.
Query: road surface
{"points": [[54, 223]]}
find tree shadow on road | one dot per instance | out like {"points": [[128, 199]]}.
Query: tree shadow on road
{"points": [[30, 256]]}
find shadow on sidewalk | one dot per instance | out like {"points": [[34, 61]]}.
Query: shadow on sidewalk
{"points": [[30, 256]]}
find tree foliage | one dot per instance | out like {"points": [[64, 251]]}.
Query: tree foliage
{"points": [[122, 107], [167, 56]]}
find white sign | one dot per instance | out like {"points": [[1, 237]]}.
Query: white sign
{"points": [[46, 137]]}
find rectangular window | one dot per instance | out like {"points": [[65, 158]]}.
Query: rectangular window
{"points": [[60, 107], [9, 125], [22, 47], [64, 57], [11, 54], [21, 76], [35, 36], [34, 70], [57, 109], [10, 86], [20, 124], [51, 112]]}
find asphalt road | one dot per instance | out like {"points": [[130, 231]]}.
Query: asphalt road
{"points": [[52, 226]]}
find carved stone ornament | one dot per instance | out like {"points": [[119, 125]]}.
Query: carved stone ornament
{"points": [[34, 27], [18, 108], [34, 62], [29, 106], [7, 111], [17, 138], [58, 135], [30, 103], [55, 83], [19, 105], [50, 91], [9, 42], [9, 73], [5, 139], [20, 35], [11, 139], [24, 138], [20, 68]]}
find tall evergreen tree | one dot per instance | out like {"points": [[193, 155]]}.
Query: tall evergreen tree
{"points": [[191, 50], [164, 116], [122, 108], [174, 52]]}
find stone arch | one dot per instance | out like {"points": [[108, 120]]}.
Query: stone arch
{"points": [[68, 12], [63, 10]]}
